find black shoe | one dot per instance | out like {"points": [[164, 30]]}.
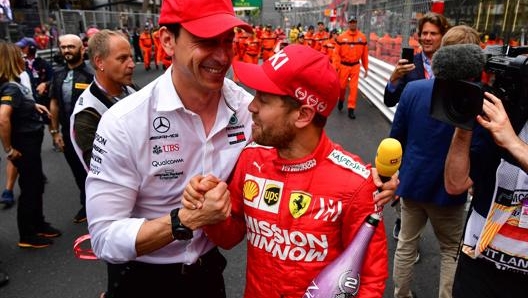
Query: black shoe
{"points": [[351, 114], [4, 278], [47, 231], [396, 229], [7, 198], [80, 216], [340, 105], [34, 242]]}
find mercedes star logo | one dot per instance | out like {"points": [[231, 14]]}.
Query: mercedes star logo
{"points": [[161, 124]]}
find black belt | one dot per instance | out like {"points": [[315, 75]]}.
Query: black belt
{"points": [[350, 63]]}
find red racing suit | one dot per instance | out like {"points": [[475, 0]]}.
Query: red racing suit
{"points": [[351, 48], [298, 216]]}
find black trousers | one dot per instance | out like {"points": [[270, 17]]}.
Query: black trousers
{"points": [[30, 180], [77, 168], [141, 280], [478, 278]]}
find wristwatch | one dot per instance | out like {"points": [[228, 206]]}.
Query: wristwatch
{"points": [[179, 231]]}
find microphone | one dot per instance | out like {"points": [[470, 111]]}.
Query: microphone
{"points": [[388, 158], [458, 62]]}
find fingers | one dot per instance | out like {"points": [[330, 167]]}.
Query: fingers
{"points": [[386, 191], [208, 182], [192, 199], [205, 190], [215, 207]]}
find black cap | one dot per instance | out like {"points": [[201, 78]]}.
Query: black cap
{"points": [[352, 19]]}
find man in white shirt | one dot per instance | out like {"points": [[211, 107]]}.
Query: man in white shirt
{"points": [[189, 121]]}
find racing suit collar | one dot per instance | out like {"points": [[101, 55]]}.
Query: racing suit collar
{"points": [[308, 162]]}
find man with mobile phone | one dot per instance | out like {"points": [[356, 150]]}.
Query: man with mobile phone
{"points": [[431, 29]]}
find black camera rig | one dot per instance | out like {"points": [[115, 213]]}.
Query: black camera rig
{"points": [[458, 102], [508, 70]]}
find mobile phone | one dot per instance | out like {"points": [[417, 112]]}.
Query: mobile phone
{"points": [[408, 53]]}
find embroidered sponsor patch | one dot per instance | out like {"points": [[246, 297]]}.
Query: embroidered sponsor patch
{"points": [[347, 162], [6, 98], [299, 203], [237, 137], [300, 167], [261, 193], [329, 209]]}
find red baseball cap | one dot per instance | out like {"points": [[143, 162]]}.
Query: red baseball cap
{"points": [[203, 18], [297, 71]]}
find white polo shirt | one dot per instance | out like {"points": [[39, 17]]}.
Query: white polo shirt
{"points": [[146, 149]]}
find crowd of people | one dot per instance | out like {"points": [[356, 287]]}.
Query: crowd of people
{"points": [[191, 162]]}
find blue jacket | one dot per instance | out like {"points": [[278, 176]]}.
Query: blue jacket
{"points": [[391, 98], [425, 143]]}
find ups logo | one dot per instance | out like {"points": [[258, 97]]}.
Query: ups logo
{"points": [[271, 194]]}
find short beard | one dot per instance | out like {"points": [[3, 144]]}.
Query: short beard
{"points": [[279, 139], [76, 57]]}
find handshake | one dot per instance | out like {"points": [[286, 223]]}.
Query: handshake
{"points": [[205, 201]]}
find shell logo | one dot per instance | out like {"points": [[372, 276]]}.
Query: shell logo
{"points": [[250, 190]]}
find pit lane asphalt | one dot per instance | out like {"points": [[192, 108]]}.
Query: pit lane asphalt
{"points": [[55, 272]]}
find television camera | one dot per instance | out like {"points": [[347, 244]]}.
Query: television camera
{"points": [[458, 102]]}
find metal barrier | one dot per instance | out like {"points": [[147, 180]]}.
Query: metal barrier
{"points": [[78, 21], [373, 86], [48, 55]]}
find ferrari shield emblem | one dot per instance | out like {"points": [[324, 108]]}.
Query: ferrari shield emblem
{"points": [[299, 202]]}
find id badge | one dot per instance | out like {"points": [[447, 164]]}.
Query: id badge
{"points": [[523, 219]]}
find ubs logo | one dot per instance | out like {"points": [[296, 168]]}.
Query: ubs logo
{"points": [[165, 148], [161, 124]]}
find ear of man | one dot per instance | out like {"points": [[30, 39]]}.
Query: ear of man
{"points": [[165, 37], [305, 115]]}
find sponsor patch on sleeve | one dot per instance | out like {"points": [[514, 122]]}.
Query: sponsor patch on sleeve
{"points": [[6, 98], [347, 162]]}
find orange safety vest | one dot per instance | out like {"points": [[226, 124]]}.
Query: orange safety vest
{"points": [[269, 40], [145, 40], [309, 39], [319, 38], [351, 48]]}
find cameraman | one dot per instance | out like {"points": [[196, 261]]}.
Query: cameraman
{"points": [[493, 159]]}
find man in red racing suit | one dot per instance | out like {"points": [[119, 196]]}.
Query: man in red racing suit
{"points": [[298, 197], [298, 216]]}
